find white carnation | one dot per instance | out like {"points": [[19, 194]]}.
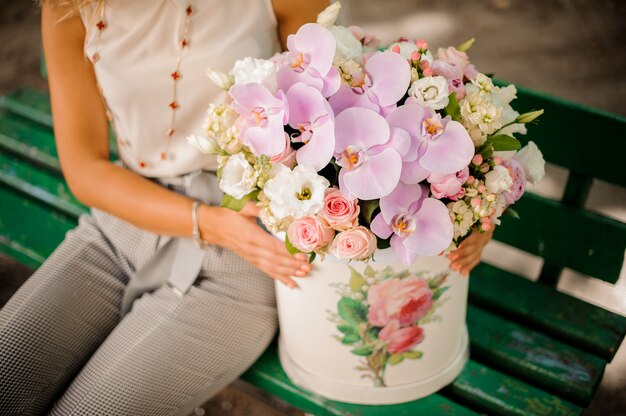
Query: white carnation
{"points": [[348, 46], [531, 159], [261, 71], [238, 177], [430, 92], [295, 193], [498, 180]]}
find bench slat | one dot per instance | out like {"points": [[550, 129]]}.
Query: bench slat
{"points": [[40, 236], [30, 103], [532, 356], [498, 394], [576, 123], [596, 330], [268, 374], [572, 237], [38, 184], [29, 139]]}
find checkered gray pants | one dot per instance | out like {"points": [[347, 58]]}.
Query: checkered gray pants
{"points": [[64, 349]]}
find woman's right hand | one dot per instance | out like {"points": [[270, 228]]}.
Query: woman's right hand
{"points": [[239, 232]]}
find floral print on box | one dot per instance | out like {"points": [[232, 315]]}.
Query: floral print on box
{"points": [[381, 316]]}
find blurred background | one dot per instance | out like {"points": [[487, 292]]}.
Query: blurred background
{"points": [[569, 48]]}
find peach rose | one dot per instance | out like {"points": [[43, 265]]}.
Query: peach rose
{"points": [[400, 339], [405, 300], [356, 244], [309, 234], [339, 213]]}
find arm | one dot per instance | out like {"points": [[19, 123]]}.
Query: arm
{"points": [[291, 14], [81, 133]]}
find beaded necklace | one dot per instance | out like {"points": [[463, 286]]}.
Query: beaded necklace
{"points": [[175, 76]]}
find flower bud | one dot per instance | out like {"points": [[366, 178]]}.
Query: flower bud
{"points": [[329, 15], [528, 117], [219, 78], [463, 47]]}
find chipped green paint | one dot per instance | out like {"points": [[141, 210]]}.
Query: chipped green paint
{"points": [[496, 393], [533, 356], [596, 330]]}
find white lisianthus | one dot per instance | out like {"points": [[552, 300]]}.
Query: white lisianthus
{"points": [[498, 180], [531, 159], [295, 193], [238, 177], [431, 92], [348, 46], [261, 71], [219, 78], [329, 15], [206, 145]]}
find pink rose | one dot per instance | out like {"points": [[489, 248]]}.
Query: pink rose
{"points": [[287, 157], [365, 38], [517, 173], [356, 244], [339, 213], [400, 339], [447, 186], [309, 234], [405, 300], [458, 58]]}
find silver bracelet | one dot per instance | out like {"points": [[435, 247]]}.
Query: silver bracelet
{"points": [[195, 233]]}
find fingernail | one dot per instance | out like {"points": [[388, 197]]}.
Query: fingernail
{"points": [[300, 273], [305, 267], [291, 285], [300, 256]]}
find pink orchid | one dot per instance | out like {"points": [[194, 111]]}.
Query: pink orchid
{"points": [[311, 114], [384, 82], [263, 116], [369, 153], [310, 60], [417, 225], [440, 146]]}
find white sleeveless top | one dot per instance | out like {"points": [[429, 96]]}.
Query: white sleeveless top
{"points": [[137, 52]]}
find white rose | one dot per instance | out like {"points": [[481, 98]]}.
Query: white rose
{"points": [[261, 71], [348, 46], [430, 92], [295, 193], [531, 159], [498, 180], [328, 16], [238, 177]]}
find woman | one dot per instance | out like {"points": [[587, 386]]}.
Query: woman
{"points": [[63, 346]]}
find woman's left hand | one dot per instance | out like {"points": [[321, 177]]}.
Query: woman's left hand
{"points": [[467, 255]]}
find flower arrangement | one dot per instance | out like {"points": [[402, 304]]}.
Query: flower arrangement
{"points": [[347, 146], [381, 314]]}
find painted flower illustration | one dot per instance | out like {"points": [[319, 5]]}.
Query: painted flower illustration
{"points": [[381, 315]]}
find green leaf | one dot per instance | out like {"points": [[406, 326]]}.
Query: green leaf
{"points": [[350, 339], [395, 359], [356, 280], [503, 142], [383, 244], [486, 150], [347, 329], [234, 203], [512, 213], [312, 257], [369, 271], [372, 333], [363, 350], [367, 210], [437, 293], [453, 109], [290, 248], [352, 311], [413, 355]]}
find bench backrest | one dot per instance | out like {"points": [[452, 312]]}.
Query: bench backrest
{"points": [[591, 144]]}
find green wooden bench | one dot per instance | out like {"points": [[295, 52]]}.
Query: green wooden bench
{"points": [[534, 350]]}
